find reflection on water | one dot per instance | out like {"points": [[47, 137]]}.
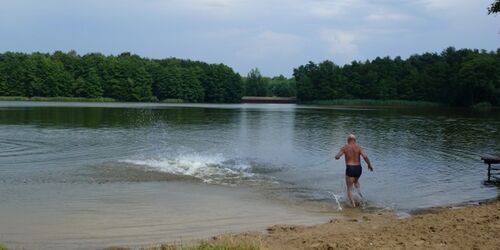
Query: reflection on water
{"points": [[422, 157]]}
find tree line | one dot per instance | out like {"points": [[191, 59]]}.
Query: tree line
{"points": [[457, 77], [125, 77], [258, 85], [128, 77]]}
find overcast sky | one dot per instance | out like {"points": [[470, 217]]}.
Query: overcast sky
{"points": [[273, 35]]}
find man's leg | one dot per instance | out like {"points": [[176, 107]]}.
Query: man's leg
{"points": [[349, 181], [358, 187]]}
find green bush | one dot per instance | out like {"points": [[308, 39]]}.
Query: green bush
{"points": [[55, 99], [171, 100], [217, 245], [482, 106]]}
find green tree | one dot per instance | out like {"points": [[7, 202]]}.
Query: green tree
{"points": [[70, 61], [46, 77], [328, 83], [88, 86], [255, 84], [234, 90], [126, 79], [190, 88], [282, 87], [13, 74], [179, 83], [494, 7], [480, 80], [221, 84], [305, 75]]}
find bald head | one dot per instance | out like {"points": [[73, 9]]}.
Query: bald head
{"points": [[351, 138]]}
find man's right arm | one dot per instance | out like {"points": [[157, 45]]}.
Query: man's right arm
{"points": [[339, 154]]}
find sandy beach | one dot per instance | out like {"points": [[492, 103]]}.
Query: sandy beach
{"points": [[470, 227]]}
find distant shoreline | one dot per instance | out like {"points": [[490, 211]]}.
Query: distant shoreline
{"points": [[346, 102], [336, 102], [374, 102], [55, 99]]}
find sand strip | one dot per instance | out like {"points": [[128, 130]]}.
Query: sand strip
{"points": [[471, 227]]}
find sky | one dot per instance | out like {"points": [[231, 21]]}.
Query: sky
{"points": [[272, 35]]}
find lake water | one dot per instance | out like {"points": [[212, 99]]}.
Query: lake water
{"points": [[86, 175]]}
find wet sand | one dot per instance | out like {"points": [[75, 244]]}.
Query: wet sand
{"points": [[470, 227]]}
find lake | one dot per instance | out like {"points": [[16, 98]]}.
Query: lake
{"points": [[80, 175]]}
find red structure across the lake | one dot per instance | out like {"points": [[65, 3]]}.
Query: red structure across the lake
{"points": [[261, 99]]}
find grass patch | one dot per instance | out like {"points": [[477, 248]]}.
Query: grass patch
{"points": [[482, 106], [2, 247], [221, 244], [206, 246], [55, 99], [171, 100], [373, 102]]}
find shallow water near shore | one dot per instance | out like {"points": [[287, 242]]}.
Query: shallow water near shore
{"points": [[95, 174]]}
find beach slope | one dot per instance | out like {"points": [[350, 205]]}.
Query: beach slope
{"points": [[471, 227]]}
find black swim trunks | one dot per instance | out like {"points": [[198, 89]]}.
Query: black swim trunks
{"points": [[353, 170]]}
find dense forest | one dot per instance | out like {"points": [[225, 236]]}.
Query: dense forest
{"points": [[130, 78], [125, 77], [456, 77]]}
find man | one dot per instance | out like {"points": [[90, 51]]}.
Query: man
{"points": [[352, 152]]}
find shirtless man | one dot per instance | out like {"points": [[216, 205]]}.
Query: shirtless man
{"points": [[352, 152]]}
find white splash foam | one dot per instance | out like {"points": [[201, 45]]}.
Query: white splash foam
{"points": [[210, 169], [336, 196]]}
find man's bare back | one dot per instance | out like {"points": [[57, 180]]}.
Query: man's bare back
{"points": [[352, 154]]}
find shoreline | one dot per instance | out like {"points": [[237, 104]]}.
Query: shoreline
{"points": [[472, 226], [338, 102]]}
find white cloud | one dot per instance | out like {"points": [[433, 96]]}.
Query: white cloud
{"points": [[332, 8], [341, 42], [382, 15], [269, 44], [218, 4], [438, 4], [212, 8], [445, 4]]}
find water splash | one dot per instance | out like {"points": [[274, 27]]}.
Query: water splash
{"points": [[336, 197], [211, 169]]}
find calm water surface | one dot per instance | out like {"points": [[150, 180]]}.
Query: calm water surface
{"points": [[85, 174]]}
